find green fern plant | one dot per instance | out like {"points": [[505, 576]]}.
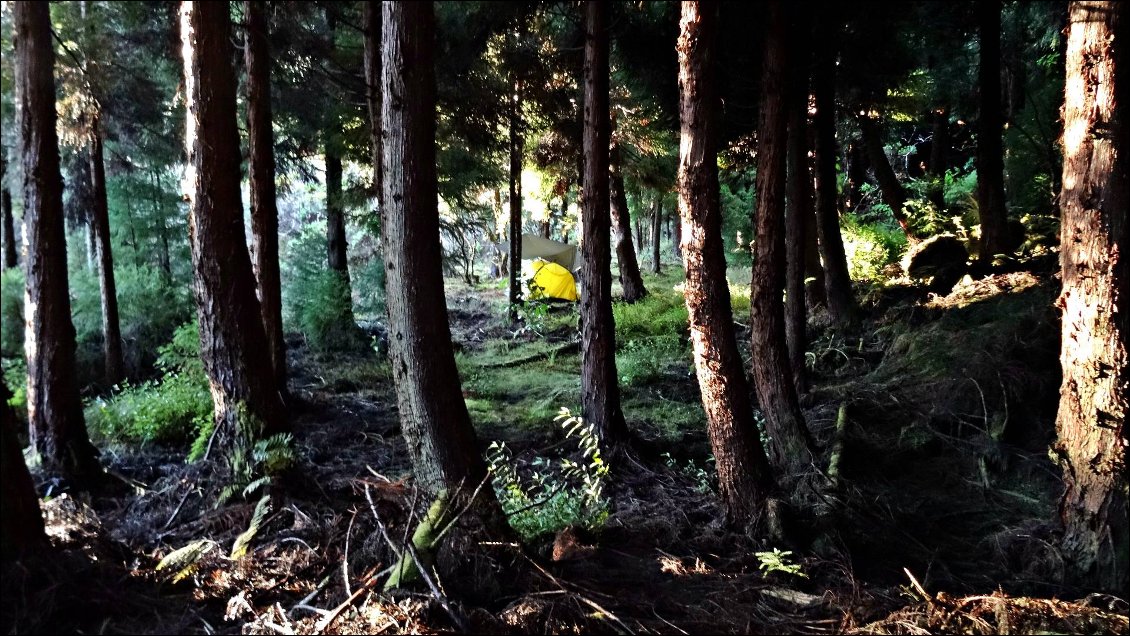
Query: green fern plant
{"points": [[254, 463]]}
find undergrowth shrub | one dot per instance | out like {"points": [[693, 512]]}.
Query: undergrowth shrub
{"points": [[12, 313], [660, 314], [871, 246], [316, 299]]}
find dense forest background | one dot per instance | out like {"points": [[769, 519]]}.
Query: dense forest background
{"points": [[849, 353]]}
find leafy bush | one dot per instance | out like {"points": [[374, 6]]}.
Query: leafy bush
{"points": [[661, 314], [871, 247], [316, 299], [12, 313]]}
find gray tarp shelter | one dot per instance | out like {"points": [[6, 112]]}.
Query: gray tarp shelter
{"points": [[563, 254]]}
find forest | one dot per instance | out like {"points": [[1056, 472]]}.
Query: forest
{"points": [[564, 317]]}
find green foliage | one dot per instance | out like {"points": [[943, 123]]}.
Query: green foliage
{"points": [[552, 498], [871, 246], [243, 541], [703, 477], [182, 562], [778, 560], [660, 315], [255, 461], [738, 195], [12, 313], [15, 375], [316, 299]]}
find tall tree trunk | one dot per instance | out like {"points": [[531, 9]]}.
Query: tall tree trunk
{"points": [[600, 390], [815, 294], [939, 158], [58, 430], [790, 442], [433, 415], [264, 210], [630, 278], [100, 228], [677, 239], [856, 174], [656, 226], [837, 280], [232, 337], [21, 521], [9, 226], [744, 477], [335, 212], [1095, 238], [991, 205], [517, 145], [889, 186], [372, 23], [799, 207]]}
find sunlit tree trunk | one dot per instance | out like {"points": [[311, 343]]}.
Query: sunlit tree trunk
{"points": [[744, 478], [233, 343], [517, 145], [264, 210], [991, 206], [630, 278], [600, 389], [790, 442], [100, 229], [10, 259], [58, 430], [21, 521], [889, 186], [433, 415], [1095, 238]]}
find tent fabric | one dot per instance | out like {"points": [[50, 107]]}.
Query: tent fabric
{"points": [[550, 280], [563, 254]]}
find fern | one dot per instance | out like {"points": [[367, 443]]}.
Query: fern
{"points": [[243, 541], [183, 562]]}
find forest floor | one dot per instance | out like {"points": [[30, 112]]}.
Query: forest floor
{"points": [[938, 518]]}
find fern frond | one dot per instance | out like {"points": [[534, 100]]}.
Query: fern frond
{"points": [[243, 541], [183, 560]]}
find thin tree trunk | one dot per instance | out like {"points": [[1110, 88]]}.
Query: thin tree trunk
{"points": [[656, 226], [677, 239], [991, 206], [837, 280], [100, 228], [799, 207], [58, 430], [9, 226], [893, 194], [815, 294], [232, 337], [630, 278], [600, 389], [1095, 238], [939, 158], [856, 173], [517, 145], [744, 478], [433, 415], [790, 442], [372, 18], [21, 520], [264, 210]]}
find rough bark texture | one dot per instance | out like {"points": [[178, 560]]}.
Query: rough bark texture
{"points": [[335, 212], [797, 211], [232, 338], [372, 25], [656, 225], [744, 478], [600, 390], [264, 210], [9, 227], [517, 144], [58, 430], [630, 279], [103, 255], [433, 414], [21, 521], [990, 151], [1095, 239], [837, 281], [790, 442], [889, 186]]}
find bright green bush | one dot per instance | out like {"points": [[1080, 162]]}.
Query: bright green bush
{"points": [[316, 299], [12, 313], [871, 246]]}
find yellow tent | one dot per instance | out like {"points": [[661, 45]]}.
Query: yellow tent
{"points": [[549, 280]]}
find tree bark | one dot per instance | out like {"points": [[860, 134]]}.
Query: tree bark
{"points": [[837, 280], [630, 278], [434, 418], [21, 520], [1095, 239], [100, 229], [656, 225], [889, 186], [856, 175], [790, 442], [744, 477], [517, 145], [991, 205], [372, 18], [600, 389], [232, 337], [264, 210], [939, 158], [798, 210], [58, 430], [9, 226]]}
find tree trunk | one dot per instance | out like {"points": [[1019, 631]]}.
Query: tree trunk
{"points": [[58, 430], [600, 390], [939, 158], [656, 225], [232, 337], [100, 228], [372, 23], [630, 278], [335, 213], [9, 226], [798, 210], [264, 210], [21, 520], [790, 442], [815, 293], [744, 478], [1095, 239], [677, 239], [889, 185], [434, 418], [991, 206], [837, 280], [856, 175], [517, 145]]}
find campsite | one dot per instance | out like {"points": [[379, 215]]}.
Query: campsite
{"points": [[692, 317]]}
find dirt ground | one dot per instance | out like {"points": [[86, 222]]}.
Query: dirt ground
{"points": [[937, 519]]}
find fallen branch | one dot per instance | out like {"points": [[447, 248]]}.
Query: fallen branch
{"points": [[837, 453], [568, 347]]}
